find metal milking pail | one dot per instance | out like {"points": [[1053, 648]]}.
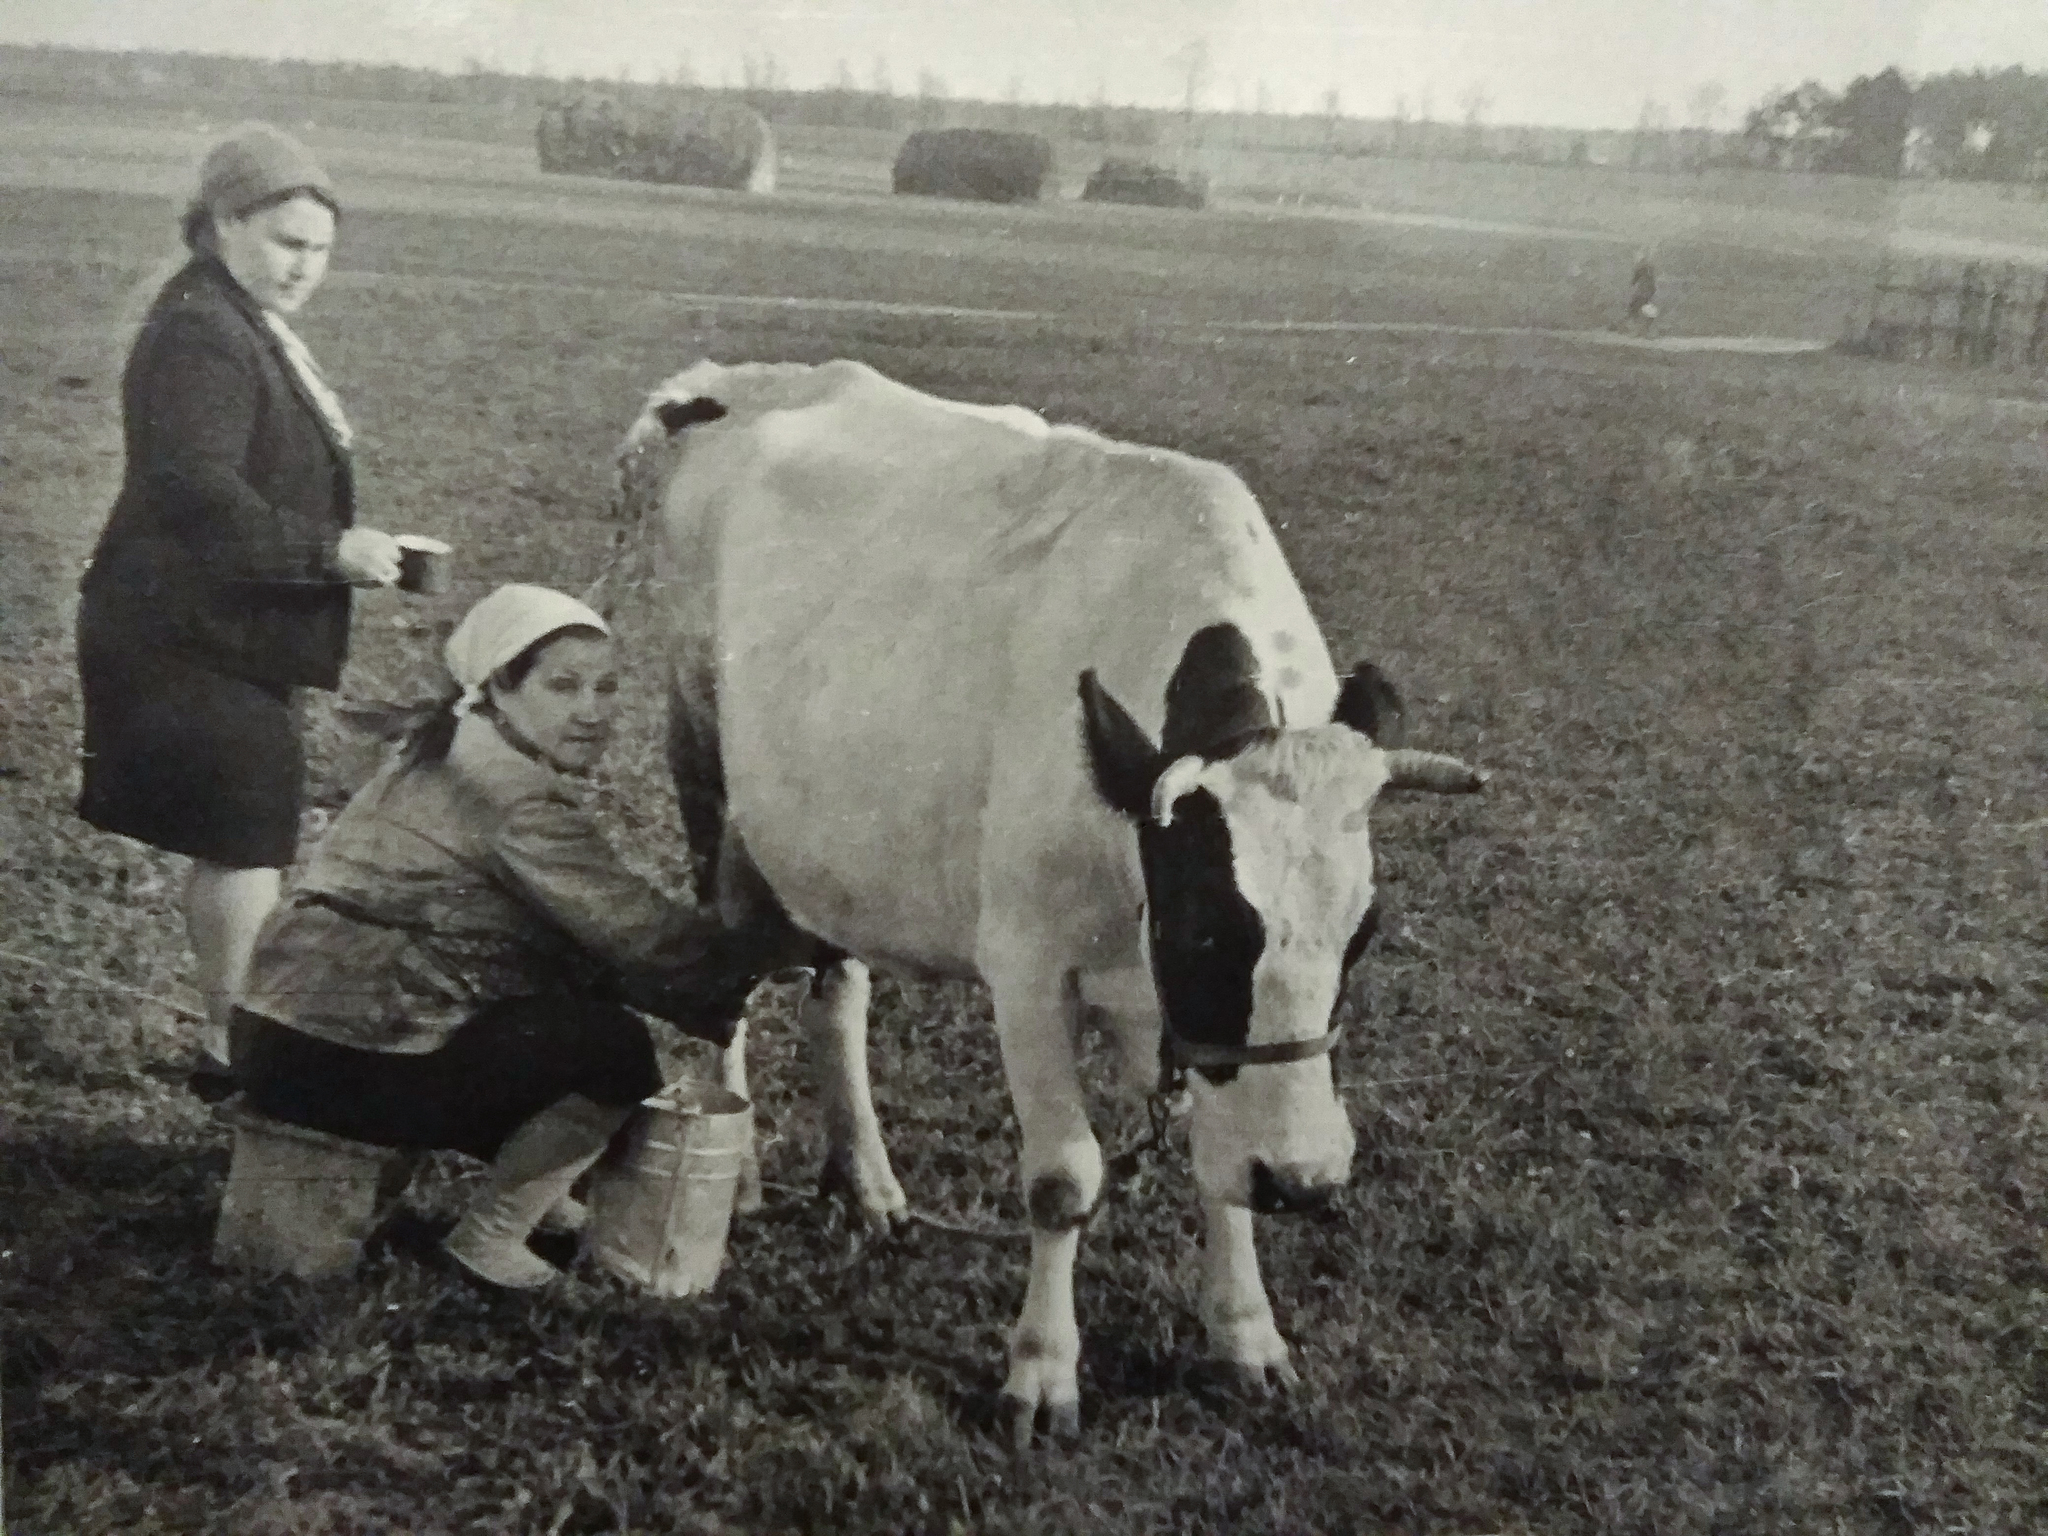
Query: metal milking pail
{"points": [[660, 1213]]}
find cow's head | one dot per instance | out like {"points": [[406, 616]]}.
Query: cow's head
{"points": [[1258, 872]]}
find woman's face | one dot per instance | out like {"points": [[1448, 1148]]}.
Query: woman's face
{"points": [[567, 705], [279, 253]]}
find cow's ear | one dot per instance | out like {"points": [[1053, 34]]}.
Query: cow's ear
{"points": [[1120, 755], [1372, 706], [678, 414]]}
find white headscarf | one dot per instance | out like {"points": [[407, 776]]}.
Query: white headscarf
{"points": [[501, 626]]}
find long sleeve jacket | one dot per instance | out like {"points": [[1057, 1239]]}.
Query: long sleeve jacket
{"points": [[233, 496], [445, 886]]}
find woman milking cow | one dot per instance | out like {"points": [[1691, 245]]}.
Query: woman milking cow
{"points": [[455, 966]]}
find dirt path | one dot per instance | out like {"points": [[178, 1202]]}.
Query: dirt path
{"points": [[1900, 239], [1772, 346], [799, 304]]}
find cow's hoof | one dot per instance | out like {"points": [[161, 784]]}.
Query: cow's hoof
{"points": [[877, 1201], [1262, 1378], [1062, 1422], [886, 1223]]}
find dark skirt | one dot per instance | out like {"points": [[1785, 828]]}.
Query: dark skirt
{"points": [[182, 757], [505, 1065]]}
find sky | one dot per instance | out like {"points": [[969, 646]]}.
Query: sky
{"points": [[1571, 63]]}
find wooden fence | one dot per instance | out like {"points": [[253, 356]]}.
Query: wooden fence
{"points": [[1982, 316]]}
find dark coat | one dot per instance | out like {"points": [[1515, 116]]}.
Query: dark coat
{"points": [[234, 496]]}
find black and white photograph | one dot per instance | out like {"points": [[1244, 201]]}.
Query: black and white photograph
{"points": [[991, 767]]}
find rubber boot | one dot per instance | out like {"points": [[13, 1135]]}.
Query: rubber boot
{"points": [[532, 1172]]}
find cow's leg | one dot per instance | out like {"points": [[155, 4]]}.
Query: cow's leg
{"points": [[1236, 1313], [835, 1023], [732, 1072], [1062, 1176], [744, 900]]}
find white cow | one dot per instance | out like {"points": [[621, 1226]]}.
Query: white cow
{"points": [[901, 628]]}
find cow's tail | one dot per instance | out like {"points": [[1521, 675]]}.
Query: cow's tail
{"points": [[641, 466], [699, 777]]}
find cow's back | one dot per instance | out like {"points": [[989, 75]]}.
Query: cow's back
{"points": [[890, 598]]}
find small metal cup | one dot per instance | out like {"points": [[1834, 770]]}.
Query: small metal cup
{"points": [[422, 564]]}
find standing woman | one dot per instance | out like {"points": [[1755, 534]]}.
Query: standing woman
{"points": [[221, 581]]}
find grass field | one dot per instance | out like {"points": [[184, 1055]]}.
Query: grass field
{"points": [[1703, 1171]]}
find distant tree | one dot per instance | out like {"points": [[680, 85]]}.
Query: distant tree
{"points": [[842, 77], [1646, 145], [1095, 117], [1191, 68], [878, 80], [930, 87], [1703, 109], [1871, 119], [1262, 98], [1475, 103], [1333, 109], [1400, 125], [1978, 124], [1790, 130]]}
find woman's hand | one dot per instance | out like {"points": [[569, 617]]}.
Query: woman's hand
{"points": [[366, 558]]}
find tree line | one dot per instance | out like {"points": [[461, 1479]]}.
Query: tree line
{"points": [[1968, 124], [69, 73], [1978, 124]]}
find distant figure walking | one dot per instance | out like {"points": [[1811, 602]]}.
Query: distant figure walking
{"points": [[1642, 296]]}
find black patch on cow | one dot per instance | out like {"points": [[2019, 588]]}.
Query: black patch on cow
{"points": [[1371, 705], [1055, 1203], [1206, 938], [1214, 708], [1121, 757], [1368, 925], [678, 414]]}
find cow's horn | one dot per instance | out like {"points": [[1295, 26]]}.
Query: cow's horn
{"points": [[1431, 770], [1177, 779]]}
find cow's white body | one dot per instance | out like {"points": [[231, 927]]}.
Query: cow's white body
{"points": [[881, 602], [900, 592]]}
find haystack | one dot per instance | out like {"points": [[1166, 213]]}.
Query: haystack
{"points": [[1139, 181], [984, 164], [720, 144]]}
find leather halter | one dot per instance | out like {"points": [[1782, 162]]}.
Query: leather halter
{"points": [[1192, 1053]]}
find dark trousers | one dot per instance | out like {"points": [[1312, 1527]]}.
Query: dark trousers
{"points": [[506, 1064]]}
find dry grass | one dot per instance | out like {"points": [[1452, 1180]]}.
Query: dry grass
{"points": [[1700, 1097]]}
